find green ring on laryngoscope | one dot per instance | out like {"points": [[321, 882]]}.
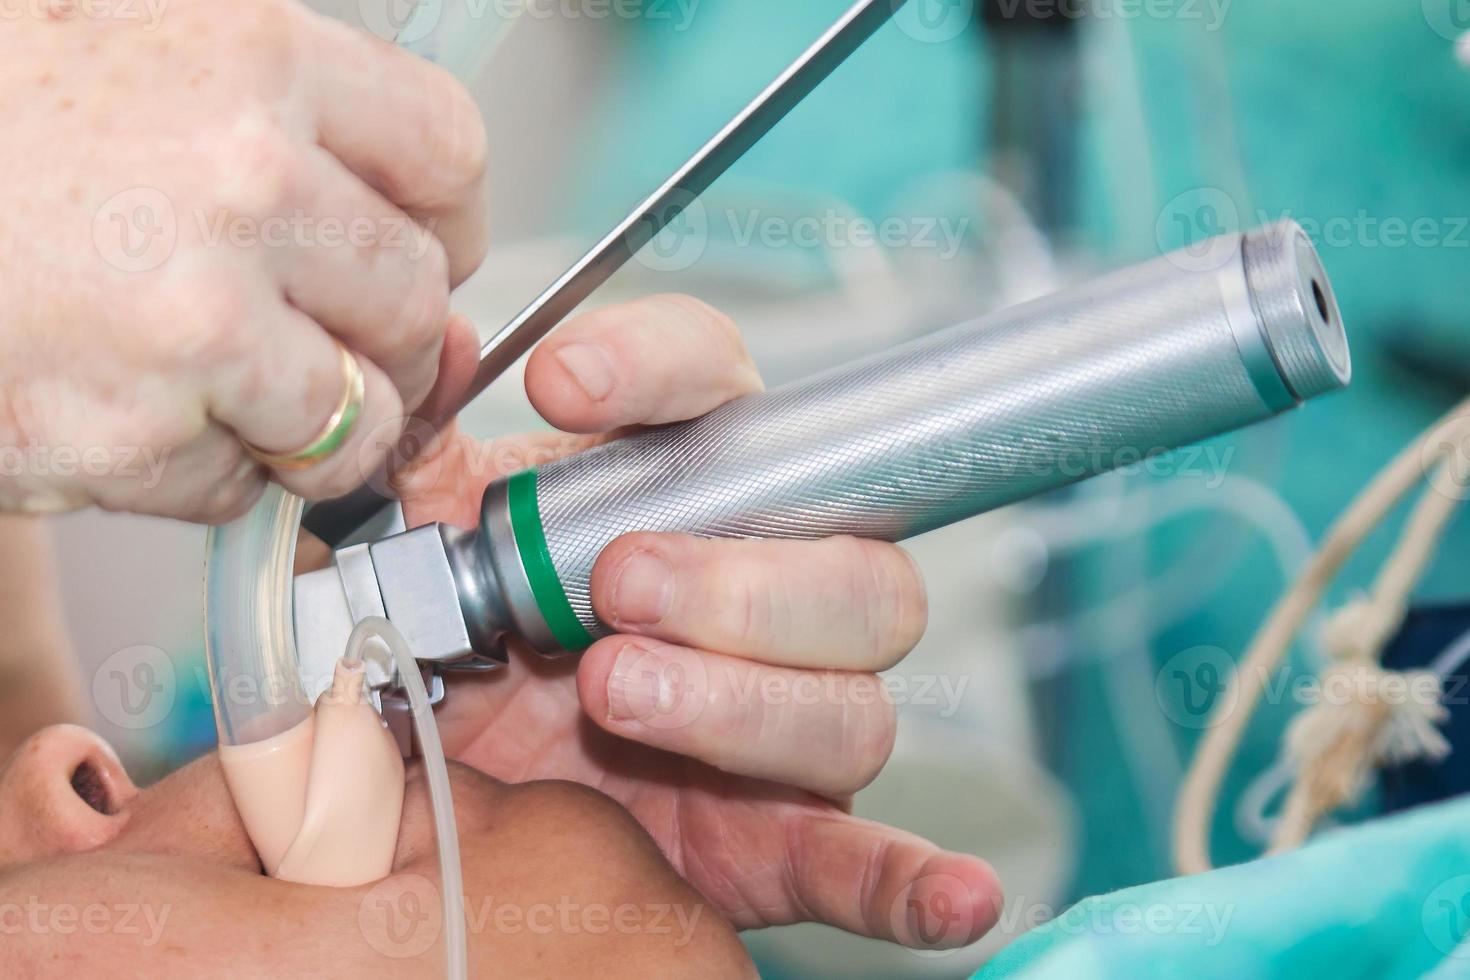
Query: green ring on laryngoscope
{"points": [[525, 521]]}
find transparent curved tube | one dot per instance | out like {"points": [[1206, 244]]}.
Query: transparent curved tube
{"points": [[249, 636]]}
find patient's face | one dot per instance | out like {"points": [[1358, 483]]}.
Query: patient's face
{"points": [[97, 875]]}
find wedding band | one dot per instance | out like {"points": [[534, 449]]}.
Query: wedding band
{"points": [[333, 433]]}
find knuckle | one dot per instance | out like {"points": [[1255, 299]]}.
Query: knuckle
{"points": [[262, 167], [465, 152], [749, 618], [427, 305], [884, 582], [205, 320], [231, 501], [718, 325], [867, 736], [271, 31], [454, 134]]}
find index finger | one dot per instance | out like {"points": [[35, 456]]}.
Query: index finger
{"points": [[409, 129]]}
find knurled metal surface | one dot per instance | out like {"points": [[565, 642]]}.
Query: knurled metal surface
{"points": [[954, 424], [1280, 264]]}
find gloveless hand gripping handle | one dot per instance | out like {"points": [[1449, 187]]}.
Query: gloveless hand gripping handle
{"points": [[953, 424]]}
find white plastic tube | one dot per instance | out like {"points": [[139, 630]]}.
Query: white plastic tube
{"points": [[376, 630]]}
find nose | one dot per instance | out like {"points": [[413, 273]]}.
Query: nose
{"points": [[63, 791]]}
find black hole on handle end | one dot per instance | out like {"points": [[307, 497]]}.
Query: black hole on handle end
{"points": [[1321, 299]]}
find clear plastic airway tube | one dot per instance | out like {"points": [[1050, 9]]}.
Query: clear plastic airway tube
{"points": [[253, 670], [375, 629]]}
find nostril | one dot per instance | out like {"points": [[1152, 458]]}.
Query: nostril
{"points": [[90, 786]]}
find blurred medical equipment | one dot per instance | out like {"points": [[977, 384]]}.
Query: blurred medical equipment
{"points": [[1367, 716]]}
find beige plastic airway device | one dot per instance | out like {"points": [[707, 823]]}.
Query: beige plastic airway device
{"points": [[322, 800]]}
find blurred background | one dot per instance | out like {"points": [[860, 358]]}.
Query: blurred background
{"points": [[973, 155]]}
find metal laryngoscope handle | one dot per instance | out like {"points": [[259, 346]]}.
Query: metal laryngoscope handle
{"points": [[962, 421]]}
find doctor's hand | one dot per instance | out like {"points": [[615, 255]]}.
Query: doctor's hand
{"points": [[215, 216], [738, 709]]}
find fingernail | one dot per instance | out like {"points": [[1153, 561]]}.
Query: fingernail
{"points": [[633, 686], [589, 366], [643, 590]]}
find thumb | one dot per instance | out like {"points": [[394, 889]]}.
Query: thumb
{"points": [[876, 881]]}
